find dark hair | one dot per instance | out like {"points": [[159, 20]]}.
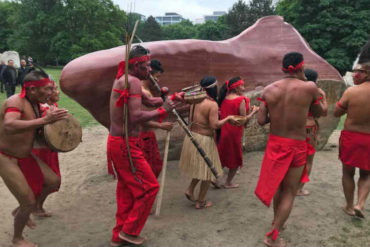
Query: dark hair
{"points": [[223, 90], [207, 81], [35, 75], [292, 59], [311, 75], [10, 60], [138, 51], [365, 54], [156, 66]]}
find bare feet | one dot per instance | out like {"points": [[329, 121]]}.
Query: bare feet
{"points": [[42, 213], [189, 196], [349, 211], [303, 193], [30, 223], [131, 239], [203, 204], [231, 186], [277, 243], [359, 212], [23, 243]]}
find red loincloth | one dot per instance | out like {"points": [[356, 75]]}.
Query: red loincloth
{"points": [[281, 153], [135, 194], [149, 146], [33, 174], [354, 148], [231, 136], [50, 158]]}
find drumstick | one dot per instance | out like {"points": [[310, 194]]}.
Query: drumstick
{"points": [[163, 175]]}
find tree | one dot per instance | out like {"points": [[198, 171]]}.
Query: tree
{"points": [[7, 11], [182, 30], [151, 30], [335, 29], [243, 15], [212, 31]]}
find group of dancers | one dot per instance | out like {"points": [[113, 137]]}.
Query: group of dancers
{"points": [[291, 106]]}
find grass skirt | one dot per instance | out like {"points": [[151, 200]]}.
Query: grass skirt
{"points": [[191, 162]]}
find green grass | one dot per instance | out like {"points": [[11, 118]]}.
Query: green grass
{"points": [[65, 102], [341, 122]]}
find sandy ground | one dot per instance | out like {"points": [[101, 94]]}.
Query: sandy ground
{"points": [[85, 206]]}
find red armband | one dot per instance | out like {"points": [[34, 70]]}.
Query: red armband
{"points": [[262, 100], [162, 114], [318, 100], [12, 109], [340, 106], [177, 95]]}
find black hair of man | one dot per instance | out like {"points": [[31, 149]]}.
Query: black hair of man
{"points": [[35, 75], [292, 59], [365, 54], [311, 75], [207, 81], [138, 51], [156, 66]]}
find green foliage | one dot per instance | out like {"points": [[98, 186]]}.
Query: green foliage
{"points": [[7, 11], [151, 30], [182, 30], [243, 15], [335, 29], [212, 31]]}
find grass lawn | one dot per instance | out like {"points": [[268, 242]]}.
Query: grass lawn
{"points": [[64, 101]]}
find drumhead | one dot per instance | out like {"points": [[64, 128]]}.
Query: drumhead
{"points": [[63, 135]]}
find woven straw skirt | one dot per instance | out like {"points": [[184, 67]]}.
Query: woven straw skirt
{"points": [[191, 162]]}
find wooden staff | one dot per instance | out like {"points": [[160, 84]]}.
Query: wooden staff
{"points": [[189, 134], [163, 175], [126, 87]]}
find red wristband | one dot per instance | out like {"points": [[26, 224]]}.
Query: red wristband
{"points": [[162, 114]]}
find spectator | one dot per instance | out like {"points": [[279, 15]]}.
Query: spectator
{"points": [[23, 71], [10, 78], [2, 68]]}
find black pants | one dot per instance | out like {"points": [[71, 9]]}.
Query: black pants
{"points": [[1, 86], [10, 89]]}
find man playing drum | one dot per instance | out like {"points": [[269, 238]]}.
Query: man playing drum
{"points": [[25, 175], [48, 156], [137, 186]]}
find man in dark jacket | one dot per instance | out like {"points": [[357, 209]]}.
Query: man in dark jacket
{"points": [[2, 68], [10, 78]]}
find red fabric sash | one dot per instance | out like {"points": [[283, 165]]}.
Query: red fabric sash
{"points": [[123, 98], [38, 83], [122, 64], [291, 69], [262, 100]]}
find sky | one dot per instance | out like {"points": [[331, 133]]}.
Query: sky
{"points": [[189, 9]]}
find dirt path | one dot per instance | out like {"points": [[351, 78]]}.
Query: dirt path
{"points": [[84, 208]]}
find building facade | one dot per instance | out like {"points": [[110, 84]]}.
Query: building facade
{"points": [[169, 18]]}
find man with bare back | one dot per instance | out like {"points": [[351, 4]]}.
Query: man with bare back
{"points": [[285, 104], [24, 174], [354, 142], [137, 186]]}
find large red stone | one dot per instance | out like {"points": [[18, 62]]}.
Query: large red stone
{"points": [[255, 55]]}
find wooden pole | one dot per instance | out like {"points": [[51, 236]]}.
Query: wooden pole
{"points": [[163, 175]]}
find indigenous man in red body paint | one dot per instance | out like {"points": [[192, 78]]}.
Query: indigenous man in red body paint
{"points": [[148, 141], [137, 186], [48, 156], [354, 142], [25, 175], [312, 128], [286, 104]]}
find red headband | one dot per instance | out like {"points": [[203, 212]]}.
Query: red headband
{"points": [[291, 69], [121, 66], [39, 83], [234, 85]]}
